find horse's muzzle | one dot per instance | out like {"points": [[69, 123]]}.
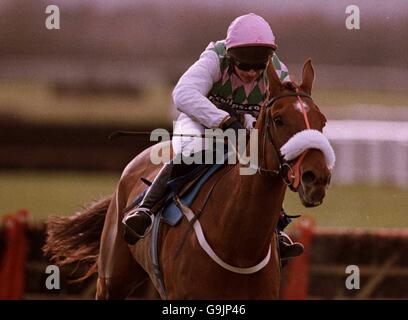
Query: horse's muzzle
{"points": [[311, 190]]}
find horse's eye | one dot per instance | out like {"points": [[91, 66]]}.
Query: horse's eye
{"points": [[278, 121]]}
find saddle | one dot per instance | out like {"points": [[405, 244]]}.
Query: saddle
{"points": [[178, 186]]}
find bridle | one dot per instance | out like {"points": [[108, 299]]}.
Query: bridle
{"points": [[290, 174]]}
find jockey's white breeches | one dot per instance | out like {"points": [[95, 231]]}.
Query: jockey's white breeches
{"points": [[188, 145]]}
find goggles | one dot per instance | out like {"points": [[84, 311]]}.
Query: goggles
{"points": [[250, 66]]}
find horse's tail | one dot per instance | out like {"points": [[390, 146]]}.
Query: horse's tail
{"points": [[76, 239]]}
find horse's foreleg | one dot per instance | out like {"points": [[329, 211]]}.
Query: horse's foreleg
{"points": [[101, 291], [110, 289]]}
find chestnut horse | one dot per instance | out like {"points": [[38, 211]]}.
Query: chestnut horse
{"points": [[239, 219]]}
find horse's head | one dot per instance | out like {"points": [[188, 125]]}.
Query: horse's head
{"points": [[293, 145]]}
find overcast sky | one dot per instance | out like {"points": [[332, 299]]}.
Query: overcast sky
{"points": [[391, 8]]}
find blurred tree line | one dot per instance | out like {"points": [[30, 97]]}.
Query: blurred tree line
{"points": [[149, 32]]}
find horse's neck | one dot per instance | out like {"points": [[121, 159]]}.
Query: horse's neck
{"points": [[247, 220]]}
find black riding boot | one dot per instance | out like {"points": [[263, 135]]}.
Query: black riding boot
{"points": [[288, 248], [138, 221]]}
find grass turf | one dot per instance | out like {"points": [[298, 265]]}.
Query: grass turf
{"points": [[63, 193]]}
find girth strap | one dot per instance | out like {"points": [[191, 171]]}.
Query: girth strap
{"points": [[155, 255]]}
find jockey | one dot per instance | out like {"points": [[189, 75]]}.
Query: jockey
{"points": [[223, 89]]}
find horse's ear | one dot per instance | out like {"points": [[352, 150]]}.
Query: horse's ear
{"points": [[275, 84], [307, 77]]}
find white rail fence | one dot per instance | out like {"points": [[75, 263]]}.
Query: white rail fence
{"points": [[369, 151]]}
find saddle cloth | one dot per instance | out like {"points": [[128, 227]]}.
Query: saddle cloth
{"points": [[186, 187], [171, 213]]}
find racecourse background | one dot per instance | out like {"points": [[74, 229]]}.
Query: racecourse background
{"points": [[112, 65], [48, 156]]}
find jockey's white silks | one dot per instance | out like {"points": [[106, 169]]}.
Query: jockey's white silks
{"points": [[308, 139]]}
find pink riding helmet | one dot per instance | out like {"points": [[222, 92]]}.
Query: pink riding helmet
{"points": [[249, 30]]}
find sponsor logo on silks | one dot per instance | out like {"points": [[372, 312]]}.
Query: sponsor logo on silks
{"points": [[218, 100]]}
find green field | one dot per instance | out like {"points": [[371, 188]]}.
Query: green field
{"points": [[46, 193], [38, 102]]}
